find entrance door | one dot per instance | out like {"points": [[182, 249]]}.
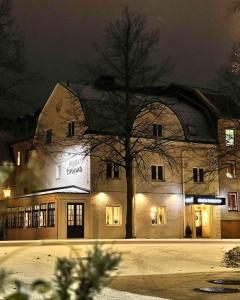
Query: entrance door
{"points": [[202, 225], [75, 220], [198, 222]]}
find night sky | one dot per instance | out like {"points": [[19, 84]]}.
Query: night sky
{"points": [[196, 34]]}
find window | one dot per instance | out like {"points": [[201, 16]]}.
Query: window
{"points": [[231, 169], [48, 135], [20, 217], [71, 128], [43, 215], [18, 158], [157, 173], [58, 171], [27, 217], [198, 174], [157, 130], [35, 215], [14, 217], [158, 215], [113, 215], [232, 201], [112, 170], [229, 137], [51, 214]]}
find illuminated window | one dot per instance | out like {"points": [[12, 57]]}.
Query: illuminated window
{"points": [[158, 215], [233, 201], [229, 137], [113, 215], [27, 216], [20, 217], [231, 169], [43, 215], [51, 214], [35, 215], [58, 171], [48, 136], [112, 170], [198, 174], [71, 128], [18, 158], [157, 173]]}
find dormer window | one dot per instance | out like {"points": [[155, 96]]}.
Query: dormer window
{"points": [[71, 129], [48, 136], [157, 130]]}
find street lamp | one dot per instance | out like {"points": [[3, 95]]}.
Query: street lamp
{"points": [[7, 192]]}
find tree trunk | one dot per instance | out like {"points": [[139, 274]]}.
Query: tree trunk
{"points": [[130, 192]]}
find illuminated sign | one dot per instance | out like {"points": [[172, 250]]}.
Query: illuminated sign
{"points": [[210, 200], [74, 166]]}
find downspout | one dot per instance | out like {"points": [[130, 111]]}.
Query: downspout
{"points": [[183, 191]]}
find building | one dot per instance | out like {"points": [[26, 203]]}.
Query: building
{"points": [[60, 192]]}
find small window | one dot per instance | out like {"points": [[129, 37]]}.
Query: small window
{"points": [[158, 215], [35, 216], [198, 174], [18, 158], [112, 170], [229, 137], [20, 217], [48, 136], [58, 171], [157, 130], [71, 129], [113, 215], [157, 173], [231, 169], [233, 201], [43, 215], [51, 214], [27, 217]]}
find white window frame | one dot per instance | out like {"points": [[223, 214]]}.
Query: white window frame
{"points": [[231, 164], [236, 202], [229, 141], [120, 215], [153, 214], [157, 174]]}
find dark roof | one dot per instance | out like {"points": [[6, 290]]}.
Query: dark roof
{"points": [[199, 122]]}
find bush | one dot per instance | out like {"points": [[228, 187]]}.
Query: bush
{"points": [[188, 232], [79, 278], [232, 258]]}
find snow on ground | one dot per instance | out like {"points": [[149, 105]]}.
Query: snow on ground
{"points": [[35, 261]]}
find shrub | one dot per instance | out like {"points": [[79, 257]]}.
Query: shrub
{"points": [[232, 258], [75, 278], [188, 232]]}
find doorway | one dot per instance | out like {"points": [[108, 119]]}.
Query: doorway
{"points": [[201, 219], [75, 220]]}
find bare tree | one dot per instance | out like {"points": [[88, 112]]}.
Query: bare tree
{"points": [[13, 73]]}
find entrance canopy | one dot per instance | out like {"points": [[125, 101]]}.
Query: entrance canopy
{"points": [[204, 199]]}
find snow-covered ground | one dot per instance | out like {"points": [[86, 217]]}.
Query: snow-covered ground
{"points": [[33, 260]]}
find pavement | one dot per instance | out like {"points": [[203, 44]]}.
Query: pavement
{"points": [[150, 269]]}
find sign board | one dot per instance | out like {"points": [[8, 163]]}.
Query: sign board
{"points": [[208, 200]]}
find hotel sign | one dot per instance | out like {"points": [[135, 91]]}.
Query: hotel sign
{"points": [[74, 166], [208, 200]]}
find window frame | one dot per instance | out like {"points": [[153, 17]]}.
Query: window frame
{"points": [[231, 209], [110, 170], [35, 215], [71, 128], [113, 215], [155, 170], [42, 215], [157, 130], [51, 214], [48, 136], [227, 139], [198, 177], [231, 163], [154, 210]]}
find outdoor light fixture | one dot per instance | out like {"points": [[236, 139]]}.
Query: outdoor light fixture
{"points": [[7, 192]]}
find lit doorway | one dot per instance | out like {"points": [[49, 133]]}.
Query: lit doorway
{"points": [[75, 220], [201, 220]]}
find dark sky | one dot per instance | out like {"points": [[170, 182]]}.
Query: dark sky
{"points": [[196, 34]]}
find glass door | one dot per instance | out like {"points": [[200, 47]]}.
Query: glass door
{"points": [[75, 220]]}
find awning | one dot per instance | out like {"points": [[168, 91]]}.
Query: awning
{"points": [[204, 199], [72, 189]]}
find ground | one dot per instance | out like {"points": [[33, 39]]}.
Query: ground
{"points": [[169, 269]]}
